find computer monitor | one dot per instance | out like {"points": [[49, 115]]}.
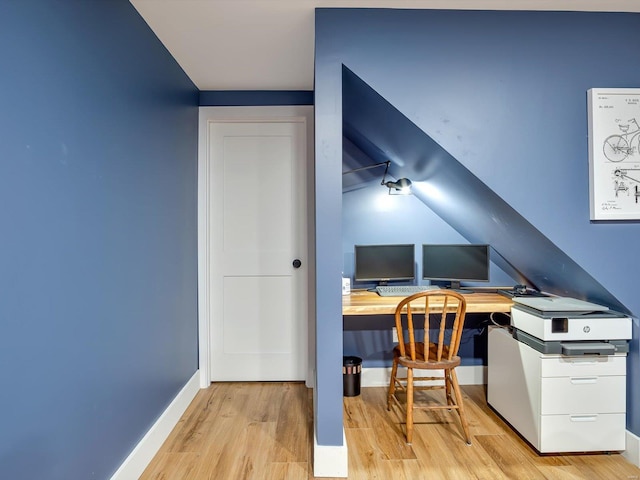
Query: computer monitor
{"points": [[455, 263], [383, 263]]}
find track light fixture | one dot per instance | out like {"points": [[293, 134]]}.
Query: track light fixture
{"points": [[401, 186]]}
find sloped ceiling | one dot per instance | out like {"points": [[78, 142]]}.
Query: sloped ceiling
{"points": [[376, 129]]}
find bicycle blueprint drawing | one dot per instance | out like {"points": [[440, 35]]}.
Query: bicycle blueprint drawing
{"points": [[614, 153]]}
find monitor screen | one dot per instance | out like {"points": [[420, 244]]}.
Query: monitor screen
{"points": [[381, 263], [455, 263]]}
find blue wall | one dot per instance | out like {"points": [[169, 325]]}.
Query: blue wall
{"points": [[98, 188], [505, 94]]}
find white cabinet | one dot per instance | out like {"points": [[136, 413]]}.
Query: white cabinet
{"points": [[558, 403]]}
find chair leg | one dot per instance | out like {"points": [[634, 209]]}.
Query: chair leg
{"points": [[447, 386], [392, 383], [409, 405], [463, 417]]}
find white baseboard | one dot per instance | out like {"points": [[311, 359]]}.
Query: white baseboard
{"points": [[328, 460], [467, 375], [143, 453], [632, 452]]}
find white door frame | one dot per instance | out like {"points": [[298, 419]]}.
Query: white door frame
{"points": [[204, 308]]}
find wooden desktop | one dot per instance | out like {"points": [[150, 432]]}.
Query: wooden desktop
{"points": [[363, 302]]}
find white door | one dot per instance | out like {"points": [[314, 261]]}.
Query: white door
{"points": [[257, 235]]}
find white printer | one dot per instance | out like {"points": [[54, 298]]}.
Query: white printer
{"points": [[557, 374], [569, 326]]}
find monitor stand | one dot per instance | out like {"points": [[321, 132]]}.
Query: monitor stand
{"points": [[454, 286], [381, 283]]}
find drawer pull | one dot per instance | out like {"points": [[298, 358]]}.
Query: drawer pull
{"points": [[584, 418], [587, 360], [583, 380]]}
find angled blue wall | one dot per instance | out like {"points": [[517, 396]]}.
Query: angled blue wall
{"points": [[505, 94], [98, 306], [461, 199]]}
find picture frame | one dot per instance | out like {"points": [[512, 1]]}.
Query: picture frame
{"points": [[614, 153]]}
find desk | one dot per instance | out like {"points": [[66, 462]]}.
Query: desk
{"points": [[362, 302]]}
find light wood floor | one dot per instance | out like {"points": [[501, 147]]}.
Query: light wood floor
{"points": [[264, 431]]}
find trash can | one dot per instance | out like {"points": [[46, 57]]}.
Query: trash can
{"points": [[351, 368]]}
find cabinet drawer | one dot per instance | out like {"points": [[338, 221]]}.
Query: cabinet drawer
{"points": [[587, 365], [583, 395], [582, 433]]}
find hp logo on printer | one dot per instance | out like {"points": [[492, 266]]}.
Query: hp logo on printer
{"points": [[586, 329]]}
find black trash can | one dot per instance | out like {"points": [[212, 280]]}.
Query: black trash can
{"points": [[351, 369]]}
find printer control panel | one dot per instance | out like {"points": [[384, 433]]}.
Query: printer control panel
{"points": [[559, 325]]}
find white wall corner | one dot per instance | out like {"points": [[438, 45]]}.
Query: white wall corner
{"points": [[632, 452], [146, 449], [330, 460]]}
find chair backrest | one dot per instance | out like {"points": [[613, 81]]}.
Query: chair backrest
{"points": [[413, 313]]}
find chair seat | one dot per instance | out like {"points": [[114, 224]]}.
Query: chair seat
{"points": [[420, 363]]}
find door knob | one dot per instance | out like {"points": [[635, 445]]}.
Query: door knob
{"points": [[297, 263]]}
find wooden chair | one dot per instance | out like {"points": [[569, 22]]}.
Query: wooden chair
{"points": [[441, 346]]}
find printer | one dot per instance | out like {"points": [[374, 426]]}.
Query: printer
{"points": [[569, 326], [557, 374]]}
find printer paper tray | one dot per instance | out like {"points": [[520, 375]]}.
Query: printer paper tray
{"points": [[572, 348]]}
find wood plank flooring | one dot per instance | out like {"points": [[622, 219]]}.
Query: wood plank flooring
{"points": [[264, 431]]}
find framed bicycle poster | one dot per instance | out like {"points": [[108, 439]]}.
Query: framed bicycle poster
{"points": [[614, 153]]}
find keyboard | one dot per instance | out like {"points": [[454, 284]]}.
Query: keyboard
{"points": [[403, 290]]}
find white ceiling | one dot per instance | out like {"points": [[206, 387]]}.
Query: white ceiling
{"points": [[268, 44]]}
